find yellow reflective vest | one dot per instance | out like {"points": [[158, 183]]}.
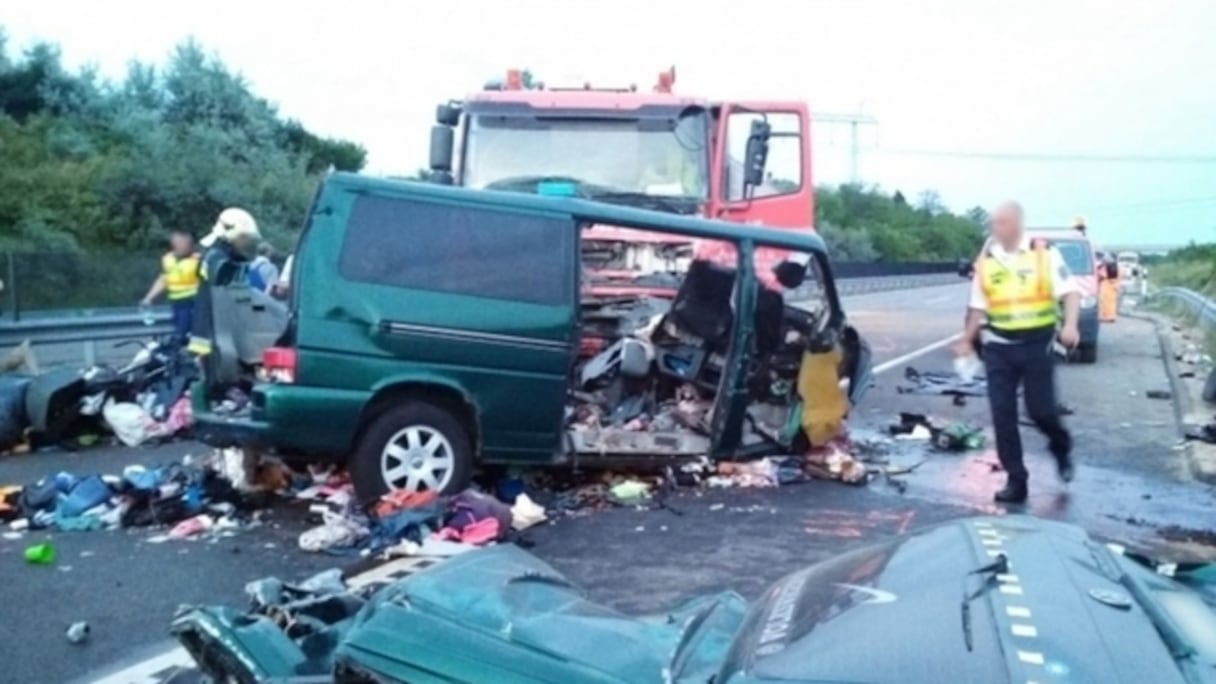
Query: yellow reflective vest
{"points": [[181, 275], [1019, 293]]}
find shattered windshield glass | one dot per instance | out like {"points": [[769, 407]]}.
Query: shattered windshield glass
{"points": [[662, 156]]}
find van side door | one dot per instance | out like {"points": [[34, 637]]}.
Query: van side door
{"points": [[469, 297]]}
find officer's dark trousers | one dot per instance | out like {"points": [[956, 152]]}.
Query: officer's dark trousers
{"points": [[1027, 362]]}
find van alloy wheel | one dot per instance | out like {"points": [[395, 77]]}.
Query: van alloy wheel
{"points": [[417, 458]]}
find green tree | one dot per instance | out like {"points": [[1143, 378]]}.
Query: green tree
{"points": [[94, 165], [863, 223]]}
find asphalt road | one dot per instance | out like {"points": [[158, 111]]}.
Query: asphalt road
{"points": [[1132, 486]]}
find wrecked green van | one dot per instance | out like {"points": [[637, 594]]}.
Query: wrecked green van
{"points": [[434, 328]]}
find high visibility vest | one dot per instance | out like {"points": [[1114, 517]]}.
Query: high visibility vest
{"points": [[181, 275], [1019, 293]]}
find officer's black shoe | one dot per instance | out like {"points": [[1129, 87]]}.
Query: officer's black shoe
{"points": [[1064, 467], [1013, 493]]}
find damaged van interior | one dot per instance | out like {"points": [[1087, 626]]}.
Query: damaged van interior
{"points": [[435, 328], [665, 370]]}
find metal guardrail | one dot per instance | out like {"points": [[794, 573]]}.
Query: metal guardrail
{"points": [[78, 334], [1202, 307], [83, 328]]}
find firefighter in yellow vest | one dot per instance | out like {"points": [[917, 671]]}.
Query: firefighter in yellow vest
{"points": [[1015, 309], [178, 279], [229, 247]]}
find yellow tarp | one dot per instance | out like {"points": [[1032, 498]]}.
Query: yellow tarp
{"points": [[824, 404]]}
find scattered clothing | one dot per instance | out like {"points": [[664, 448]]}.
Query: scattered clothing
{"points": [[937, 383], [526, 513]]}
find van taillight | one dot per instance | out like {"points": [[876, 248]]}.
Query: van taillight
{"points": [[279, 365]]}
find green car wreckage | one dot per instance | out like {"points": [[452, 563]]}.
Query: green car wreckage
{"points": [[981, 600], [432, 329]]}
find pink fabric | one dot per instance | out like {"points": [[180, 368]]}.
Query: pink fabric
{"points": [[480, 532], [477, 534]]}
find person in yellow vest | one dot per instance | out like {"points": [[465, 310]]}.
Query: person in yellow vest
{"points": [[229, 247], [1015, 310], [1108, 289], [179, 271]]}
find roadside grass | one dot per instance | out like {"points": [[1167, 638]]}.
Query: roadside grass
{"points": [[1185, 318], [1198, 274]]}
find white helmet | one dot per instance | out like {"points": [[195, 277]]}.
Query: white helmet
{"points": [[233, 222]]}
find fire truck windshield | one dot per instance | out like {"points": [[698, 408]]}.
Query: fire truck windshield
{"points": [[654, 155]]}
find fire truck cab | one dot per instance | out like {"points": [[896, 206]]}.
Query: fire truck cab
{"points": [[741, 161]]}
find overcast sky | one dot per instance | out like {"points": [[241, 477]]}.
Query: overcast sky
{"points": [[1064, 78]]}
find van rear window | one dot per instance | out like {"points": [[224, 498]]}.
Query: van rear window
{"points": [[493, 254]]}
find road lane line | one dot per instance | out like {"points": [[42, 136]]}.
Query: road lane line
{"points": [[901, 360], [150, 670]]}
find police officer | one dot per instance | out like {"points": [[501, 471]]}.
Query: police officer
{"points": [[1014, 308], [179, 278]]}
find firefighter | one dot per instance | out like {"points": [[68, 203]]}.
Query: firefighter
{"points": [[229, 247], [1014, 309], [178, 279]]}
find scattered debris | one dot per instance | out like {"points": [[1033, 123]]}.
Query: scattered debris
{"points": [[40, 554], [834, 462], [526, 513], [630, 492], [938, 383], [1205, 433], [190, 497], [78, 632], [1192, 356]]}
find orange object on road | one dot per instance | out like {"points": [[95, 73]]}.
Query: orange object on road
{"points": [[1108, 298]]}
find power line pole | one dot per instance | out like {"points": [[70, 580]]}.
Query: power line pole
{"points": [[854, 121]]}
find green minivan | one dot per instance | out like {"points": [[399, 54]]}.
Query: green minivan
{"points": [[433, 329]]}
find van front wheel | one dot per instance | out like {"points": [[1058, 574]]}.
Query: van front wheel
{"points": [[416, 446]]}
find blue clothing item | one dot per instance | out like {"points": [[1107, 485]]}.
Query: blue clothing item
{"points": [[144, 479], [87, 493], [183, 317], [256, 281]]}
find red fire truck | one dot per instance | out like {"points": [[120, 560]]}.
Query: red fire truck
{"points": [[744, 161]]}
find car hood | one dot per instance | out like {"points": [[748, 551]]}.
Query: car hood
{"points": [[1063, 611], [893, 613]]}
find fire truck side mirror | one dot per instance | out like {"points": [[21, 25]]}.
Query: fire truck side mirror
{"points": [[756, 153], [447, 114], [443, 140]]}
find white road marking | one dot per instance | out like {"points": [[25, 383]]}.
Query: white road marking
{"points": [[901, 360], [1021, 630], [146, 671], [937, 300], [1031, 657], [1017, 612]]}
